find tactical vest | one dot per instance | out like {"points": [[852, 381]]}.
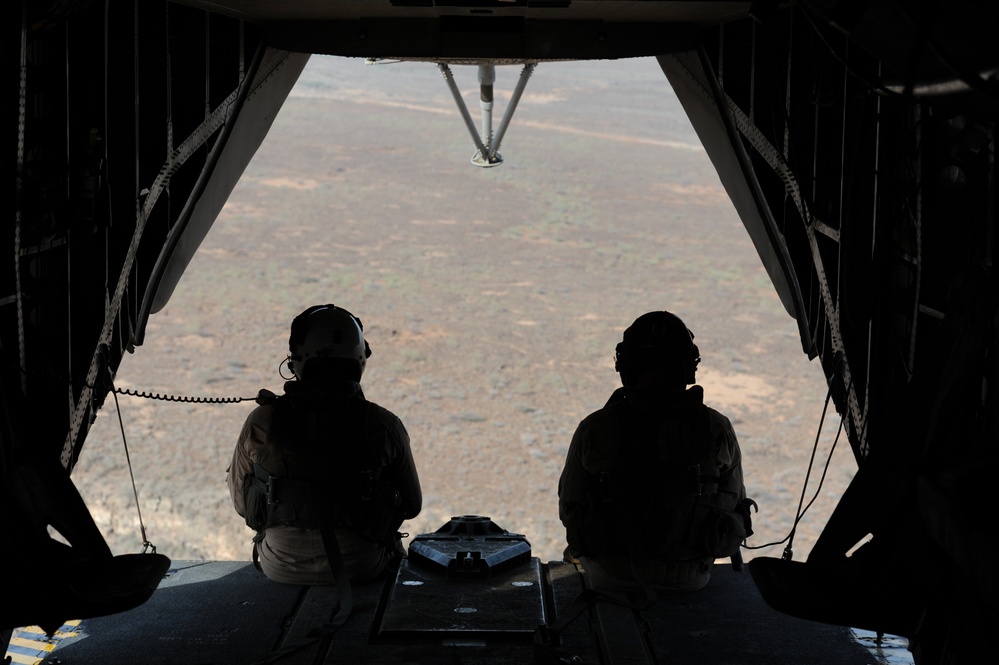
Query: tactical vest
{"points": [[318, 463], [660, 494]]}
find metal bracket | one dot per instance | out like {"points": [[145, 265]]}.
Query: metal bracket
{"points": [[487, 144]]}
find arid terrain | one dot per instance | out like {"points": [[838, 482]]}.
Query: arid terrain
{"points": [[492, 299]]}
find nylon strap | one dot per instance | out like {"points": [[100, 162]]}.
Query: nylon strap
{"points": [[344, 594]]}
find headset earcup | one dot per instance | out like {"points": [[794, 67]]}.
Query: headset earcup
{"points": [[695, 358]]}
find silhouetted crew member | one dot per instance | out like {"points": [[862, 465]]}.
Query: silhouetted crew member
{"points": [[320, 472], [652, 489]]}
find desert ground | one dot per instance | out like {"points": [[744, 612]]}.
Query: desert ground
{"points": [[492, 300]]}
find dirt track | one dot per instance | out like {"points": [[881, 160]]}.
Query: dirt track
{"points": [[492, 299]]}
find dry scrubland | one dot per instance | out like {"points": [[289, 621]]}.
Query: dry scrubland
{"points": [[492, 299]]}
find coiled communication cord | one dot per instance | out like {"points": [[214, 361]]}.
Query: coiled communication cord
{"points": [[180, 398], [146, 545]]}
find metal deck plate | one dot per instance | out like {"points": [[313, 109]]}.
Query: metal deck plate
{"points": [[422, 602]]}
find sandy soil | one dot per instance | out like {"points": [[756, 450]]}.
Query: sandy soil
{"points": [[492, 298]]}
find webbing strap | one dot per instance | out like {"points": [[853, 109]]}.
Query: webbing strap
{"points": [[582, 601], [547, 642], [315, 636], [344, 594], [590, 595], [257, 539]]}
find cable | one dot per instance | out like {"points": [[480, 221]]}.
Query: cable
{"points": [[800, 512], [825, 470], [146, 545], [873, 86], [179, 398]]}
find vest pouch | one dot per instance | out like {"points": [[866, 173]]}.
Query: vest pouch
{"points": [[254, 502], [378, 515], [723, 531], [272, 500], [293, 502]]}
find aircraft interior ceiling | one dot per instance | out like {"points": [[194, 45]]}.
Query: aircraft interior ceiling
{"points": [[856, 141]]}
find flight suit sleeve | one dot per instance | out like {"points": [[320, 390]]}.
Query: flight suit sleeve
{"points": [[571, 483], [410, 491], [594, 450], [731, 473], [401, 471], [252, 436], [729, 456], [728, 523]]}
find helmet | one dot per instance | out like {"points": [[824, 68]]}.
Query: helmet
{"points": [[660, 340], [328, 337]]}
